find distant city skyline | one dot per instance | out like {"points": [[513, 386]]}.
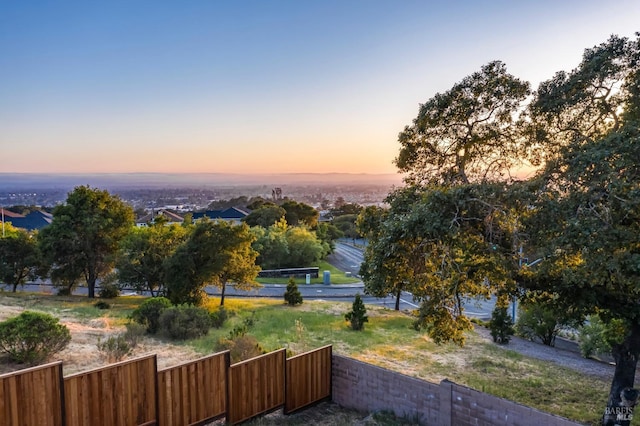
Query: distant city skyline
{"points": [[259, 87]]}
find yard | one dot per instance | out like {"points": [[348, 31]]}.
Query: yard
{"points": [[388, 340]]}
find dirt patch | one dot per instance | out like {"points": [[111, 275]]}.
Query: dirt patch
{"points": [[83, 354]]}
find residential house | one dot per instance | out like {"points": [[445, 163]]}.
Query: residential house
{"points": [[36, 219], [233, 215], [150, 218]]}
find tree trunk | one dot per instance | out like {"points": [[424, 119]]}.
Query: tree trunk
{"points": [[224, 287], [398, 294], [619, 412], [91, 287]]}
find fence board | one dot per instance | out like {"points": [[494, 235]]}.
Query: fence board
{"points": [[255, 386], [308, 378], [119, 394], [193, 392], [32, 396]]}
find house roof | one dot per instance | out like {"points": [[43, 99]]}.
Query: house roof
{"points": [[36, 219], [8, 213], [232, 213], [169, 215]]}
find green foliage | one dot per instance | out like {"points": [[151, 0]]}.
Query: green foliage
{"points": [[184, 322], [347, 225], [501, 325], [215, 253], [115, 347], [149, 312], [284, 246], [440, 323], [109, 291], [243, 329], [265, 216], [346, 209], [19, 257], [143, 255], [537, 321], [101, 304], [357, 316], [83, 237], [465, 134], [32, 337], [218, 317], [300, 214], [241, 347], [135, 332], [292, 295], [597, 337]]}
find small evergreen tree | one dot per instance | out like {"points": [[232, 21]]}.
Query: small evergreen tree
{"points": [[292, 296], [501, 325], [358, 314]]}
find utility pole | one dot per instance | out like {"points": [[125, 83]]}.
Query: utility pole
{"points": [[2, 208]]}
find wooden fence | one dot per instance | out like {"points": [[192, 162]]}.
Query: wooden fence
{"points": [[135, 393], [193, 392], [32, 397], [308, 378], [119, 394]]}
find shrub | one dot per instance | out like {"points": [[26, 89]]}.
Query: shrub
{"points": [[32, 337], [537, 321], [501, 325], [358, 314], [134, 333], [292, 296], [115, 347], [185, 322], [242, 329], [241, 348], [596, 337], [109, 291], [218, 317], [148, 313], [101, 304]]}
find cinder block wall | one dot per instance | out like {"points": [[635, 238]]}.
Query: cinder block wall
{"points": [[368, 388], [365, 387]]}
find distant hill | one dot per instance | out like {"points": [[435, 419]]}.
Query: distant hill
{"points": [[26, 181]]}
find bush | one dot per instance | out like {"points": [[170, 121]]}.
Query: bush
{"points": [[32, 337], [537, 321], [597, 338], [242, 329], [501, 325], [292, 296], [109, 291], [185, 322], [115, 347], [218, 317], [134, 333], [241, 348], [358, 314], [101, 304], [148, 313]]}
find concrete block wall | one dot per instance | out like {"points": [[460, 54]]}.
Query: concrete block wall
{"points": [[472, 407], [368, 388]]}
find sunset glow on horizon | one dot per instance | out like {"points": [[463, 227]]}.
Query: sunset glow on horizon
{"points": [[258, 87]]}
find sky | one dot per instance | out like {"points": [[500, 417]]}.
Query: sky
{"points": [[239, 86]]}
